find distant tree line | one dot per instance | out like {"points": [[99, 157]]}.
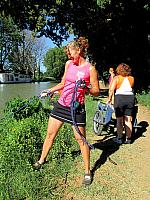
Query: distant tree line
{"points": [[20, 50]]}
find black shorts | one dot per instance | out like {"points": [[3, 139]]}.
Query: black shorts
{"points": [[63, 114], [124, 105]]}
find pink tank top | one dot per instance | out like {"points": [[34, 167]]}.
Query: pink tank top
{"points": [[73, 74]]}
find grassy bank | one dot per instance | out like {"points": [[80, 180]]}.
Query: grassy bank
{"points": [[144, 99], [117, 170], [22, 136]]}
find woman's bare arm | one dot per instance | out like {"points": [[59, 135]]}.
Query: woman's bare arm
{"points": [[95, 90], [112, 89]]}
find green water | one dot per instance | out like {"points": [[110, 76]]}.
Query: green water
{"points": [[23, 90]]}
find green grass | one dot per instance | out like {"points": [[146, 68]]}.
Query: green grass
{"points": [[144, 99], [61, 177]]}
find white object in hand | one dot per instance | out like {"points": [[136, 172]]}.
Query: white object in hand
{"points": [[45, 93]]}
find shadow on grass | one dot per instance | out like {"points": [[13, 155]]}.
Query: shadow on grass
{"points": [[75, 153], [108, 147], [139, 130]]}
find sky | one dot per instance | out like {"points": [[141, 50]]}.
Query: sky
{"points": [[52, 45], [49, 44]]}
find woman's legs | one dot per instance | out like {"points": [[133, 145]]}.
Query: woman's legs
{"points": [[52, 130], [85, 150], [119, 126], [118, 139], [128, 126]]}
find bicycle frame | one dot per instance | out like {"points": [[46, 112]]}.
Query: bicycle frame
{"points": [[102, 117]]}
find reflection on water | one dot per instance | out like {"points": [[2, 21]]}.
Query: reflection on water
{"points": [[23, 90]]}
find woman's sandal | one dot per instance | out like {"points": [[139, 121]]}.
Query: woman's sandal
{"points": [[37, 164], [87, 179]]}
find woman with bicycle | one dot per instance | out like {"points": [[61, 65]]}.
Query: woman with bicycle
{"points": [[124, 101], [77, 68]]}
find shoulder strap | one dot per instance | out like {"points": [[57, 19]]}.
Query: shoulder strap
{"points": [[131, 80], [119, 81], [121, 78]]}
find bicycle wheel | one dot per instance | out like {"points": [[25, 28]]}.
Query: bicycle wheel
{"points": [[98, 122]]}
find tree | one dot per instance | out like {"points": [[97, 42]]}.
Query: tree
{"points": [[27, 57], [118, 30], [40, 16], [9, 40], [54, 62], [35, 49]]}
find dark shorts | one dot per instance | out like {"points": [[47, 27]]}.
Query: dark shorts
{"points": [[63, 114], [124, 105]]}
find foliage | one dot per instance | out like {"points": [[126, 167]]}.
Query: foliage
{"points": [[33, 50], [103, 3], [144, 98], [117, 31], [21, 52], [23, 108], [91, 106], [54, 62], [25, 57], [55, 18], [21, 144], [9, 39], [38, 15]]}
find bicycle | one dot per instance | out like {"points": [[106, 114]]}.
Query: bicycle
{"points": [[103, 118]]}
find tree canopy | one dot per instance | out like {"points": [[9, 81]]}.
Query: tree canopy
{"points": [[20, 51], [117, 30]]}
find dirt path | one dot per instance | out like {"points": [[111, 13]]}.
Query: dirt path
{"points": [[119, 173]]}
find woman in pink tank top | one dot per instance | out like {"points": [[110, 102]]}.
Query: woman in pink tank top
{"points": [[76, 69]]}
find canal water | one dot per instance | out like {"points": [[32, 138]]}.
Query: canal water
{"points": [[23, 90]]}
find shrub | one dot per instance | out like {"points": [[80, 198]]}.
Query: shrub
{"points": [[22, 137], [22, 108], [144, 98]]}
